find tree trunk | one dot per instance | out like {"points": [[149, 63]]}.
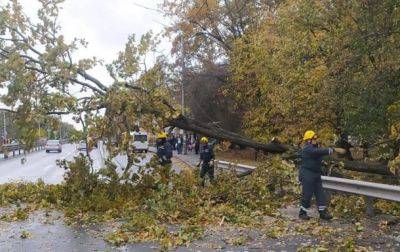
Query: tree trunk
{"points": [[291, 153], [218, 133]]}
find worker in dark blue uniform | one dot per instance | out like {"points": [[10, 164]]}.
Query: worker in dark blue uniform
{"points": [[164, 155], [207, 157], [310, 175]]}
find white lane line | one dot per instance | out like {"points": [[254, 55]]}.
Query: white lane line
{"points": [[68, 154]]}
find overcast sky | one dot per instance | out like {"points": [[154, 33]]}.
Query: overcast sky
{"points": [[105, 25]]}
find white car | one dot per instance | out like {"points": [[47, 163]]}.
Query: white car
{"points": [[140, 141], [82, 146], [53, 145]]}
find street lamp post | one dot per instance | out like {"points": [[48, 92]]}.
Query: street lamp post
{"points": [[183, 90], [60, 127], [4, 127]]}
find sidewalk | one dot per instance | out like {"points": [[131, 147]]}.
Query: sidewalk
{"points": [[191, 158]]}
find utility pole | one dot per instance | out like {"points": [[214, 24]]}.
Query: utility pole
{"points": [[183, 62], [4, 127], [60, 127]]}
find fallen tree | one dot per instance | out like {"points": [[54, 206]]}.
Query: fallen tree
{"points": [[37, 65], [216, 132]]}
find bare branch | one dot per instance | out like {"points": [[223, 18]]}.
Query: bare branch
{"points": [[92, 79]]}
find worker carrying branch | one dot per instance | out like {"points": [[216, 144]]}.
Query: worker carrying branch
{"points": [[310, 175]]}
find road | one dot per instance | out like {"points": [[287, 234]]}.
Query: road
{"points": [[41, 165]]}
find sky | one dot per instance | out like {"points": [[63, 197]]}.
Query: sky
{"points": [[105, 25]]}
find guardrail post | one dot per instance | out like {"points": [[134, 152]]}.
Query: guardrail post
{"points": [[369, 204], [19, 151], [328, 195], [13, 152]]}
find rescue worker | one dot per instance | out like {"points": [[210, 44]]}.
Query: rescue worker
{"points": [[206, 160], [164, 155], [310, 175]]}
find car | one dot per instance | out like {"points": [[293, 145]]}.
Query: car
{"points": [[82, 146], [140, 141], [53, 145]]}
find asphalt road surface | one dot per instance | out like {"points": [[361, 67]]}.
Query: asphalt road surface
{"points": [[41, 165]]}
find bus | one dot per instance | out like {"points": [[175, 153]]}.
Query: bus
{"points": [[140, 141]]}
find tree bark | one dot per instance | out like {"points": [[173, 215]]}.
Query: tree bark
{"points": [[221, 134], [291, 153]]}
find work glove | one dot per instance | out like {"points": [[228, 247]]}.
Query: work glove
{"points": [[339, 150]]}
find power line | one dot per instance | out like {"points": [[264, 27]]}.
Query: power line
{"points": [[149, 8]]}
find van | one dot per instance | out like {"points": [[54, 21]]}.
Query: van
{"points": [[140, 141]]}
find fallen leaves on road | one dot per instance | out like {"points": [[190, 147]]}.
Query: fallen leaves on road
{"points": [[25, 235], [145, 208]]}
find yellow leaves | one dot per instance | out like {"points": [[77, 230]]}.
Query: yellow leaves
{"points": [[359, 227], [20, 214], [278, 229], [25, 235], [117, 238], [394, 166], [317, 75]]}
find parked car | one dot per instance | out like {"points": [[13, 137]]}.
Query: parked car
{"points": [[82, 146], [140, 141], [53, 145]]}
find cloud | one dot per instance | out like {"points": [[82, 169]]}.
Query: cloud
{"points": [[105, 25]]}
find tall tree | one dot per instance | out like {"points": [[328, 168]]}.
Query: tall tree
{"points": [[209, 27], [328, 65]]}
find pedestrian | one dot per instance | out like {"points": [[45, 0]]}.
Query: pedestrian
{"points": [[310, 175], [164, 155], [189, 143], [173, 142], [197, 145], [207, 157], [180, 144]]}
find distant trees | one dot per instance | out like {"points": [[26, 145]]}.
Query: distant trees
{"points": [[207, 102]]}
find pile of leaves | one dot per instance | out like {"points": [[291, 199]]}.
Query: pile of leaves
{"points": [[148, 203], [170, 208]]}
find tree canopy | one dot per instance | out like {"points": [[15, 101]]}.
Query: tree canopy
{"points": [[326, 65], [290, 66]]}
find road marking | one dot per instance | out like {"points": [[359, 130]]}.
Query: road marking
{"points": [[68, 154]]}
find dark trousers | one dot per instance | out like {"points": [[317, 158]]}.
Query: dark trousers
{"points": [[311, 185], [207, 168]]}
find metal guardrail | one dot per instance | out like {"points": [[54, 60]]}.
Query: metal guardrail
{"points": [[17, 149], [374, 190], [368, 189]]}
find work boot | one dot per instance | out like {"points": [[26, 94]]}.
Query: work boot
{"points": [[303, 215], [325, 215]]}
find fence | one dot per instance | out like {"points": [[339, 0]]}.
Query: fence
{"points": [[370, 190], [9, 150]]}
